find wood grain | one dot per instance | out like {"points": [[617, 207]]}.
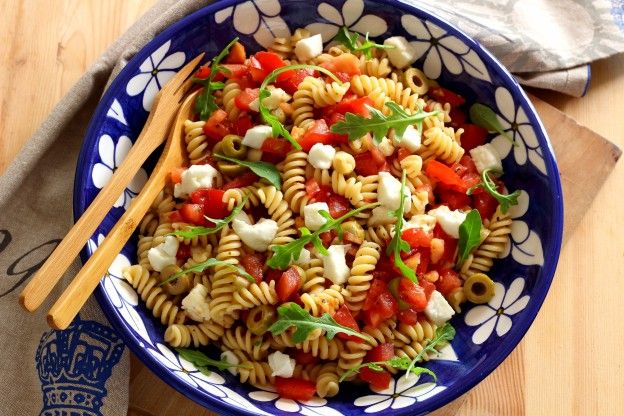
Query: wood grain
{"points": [[569, 363]]}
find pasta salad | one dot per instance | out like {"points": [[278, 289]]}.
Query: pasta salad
{"points": [[337, 210]]}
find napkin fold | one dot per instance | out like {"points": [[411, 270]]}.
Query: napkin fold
{"points": [[85, 369]]}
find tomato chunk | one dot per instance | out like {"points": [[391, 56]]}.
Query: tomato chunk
{"points": [[448, 281], [319, 133], [216, 126], [203, 72], [278, 147], [246, 179], [378, 380], [295, 388], [377, 287], [413, 294], [269, 61], [304, 358], [368, 163], [417, 237], [458, 118], [473, 136], [253, 265], [408, 316], [245, 98], [343, 317], [193, 213], [176, 174], [454, 199], [485, 203], [184, 252], [445, 175], [289, 81], [234, 71], [237, 54], [338, 206], [446, 96], [382, 352], [288, 284], [347, 63], [450, 245]]}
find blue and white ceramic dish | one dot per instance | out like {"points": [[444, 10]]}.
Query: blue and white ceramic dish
{"points": [[486, 334]]}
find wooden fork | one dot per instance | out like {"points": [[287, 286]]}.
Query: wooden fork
{"points": [[165, 107]]}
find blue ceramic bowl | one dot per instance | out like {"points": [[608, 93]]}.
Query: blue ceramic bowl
{"points": [[486, 334]]}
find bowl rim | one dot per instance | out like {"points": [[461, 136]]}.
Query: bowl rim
{"points": [[472, 378]]}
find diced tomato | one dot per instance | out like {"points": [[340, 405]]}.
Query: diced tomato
{"points": [[245, 98], [272, 274], [237, 54], [184, 252], [289, 81], [175, 216], [448, 281], [295, 388], [379, 380], [338, 206], [320, 133], [485, 203], [402, 153], [444, 174], [454, 199], [216, 126], [413, 294], [458, 118], [269, 61], [253, 265], [246, 179], [355, 106], [450, 245], [327, 237], [386, 305], [417, 237], [312, 188], [176, 174], [427, 286], [278, 147], [377, 287], [408, 316], [372, 317], [305, 358], [343, 317], [288, 284], [342, 76], [384, 270], [473, 136], [212, 201], [234, 70], [256, 72], [193, 213], [203, 72], [347, 63], [241, 125], [443, 95], [370, 163], [382, 352]]}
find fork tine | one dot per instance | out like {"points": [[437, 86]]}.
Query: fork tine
{"points": [[180, 78], [184, 89]]}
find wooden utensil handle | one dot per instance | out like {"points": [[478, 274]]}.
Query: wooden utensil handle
{"points": [[55, 266], [76, 294]]}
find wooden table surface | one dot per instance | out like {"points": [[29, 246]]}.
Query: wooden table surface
{"points": [[569, 363]]}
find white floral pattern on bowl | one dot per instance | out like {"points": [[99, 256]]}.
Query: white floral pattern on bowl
{"points": [[350, 16], [401, 393], [496, 314], [111, 155], [155, 71], [316, 406]]}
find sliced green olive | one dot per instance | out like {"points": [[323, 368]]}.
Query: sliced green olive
{"points": [[229, 168], [353, 228], [232, 146], [260, 318], [178, 286], [479, 288]]}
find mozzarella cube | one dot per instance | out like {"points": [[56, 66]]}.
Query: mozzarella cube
{"points": [[402, 54], [422, 221], [486, 157], [411, 139], [335, 264], [309, 48], [164, 254], [438, 309], [281, 364], [255, 136], [321, 156], [380, 216], [230, 358], [257, 236], [196, 304], [195, 177], [313, 219], [389, 192], [277, 97], [304, 258], [449, 220]]}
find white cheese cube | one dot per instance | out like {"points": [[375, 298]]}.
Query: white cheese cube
{"points": [[422, 221], [256, 135], [277, 97], [321, 156], [309, 48], [304, 258], [230, 358], [380, 216], [486, 157], [281, 364], [195, 177], [335, 264], [196, 304], [438, 309], [257, 236], [402, 54], [411, 139], [163, 254], [313, 219], [389, 192], [449, 220]]}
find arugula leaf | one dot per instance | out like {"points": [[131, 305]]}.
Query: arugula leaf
{"points": [[292, 314], [262, 169], [443, 334], [483, 116], [356, 126], [194, 231], [400, 363], [205, 103], [284, 254], [200, 267], [469, 235], [350, 40], [397, 244], [202, 361], [278, 128], [488, 184]]}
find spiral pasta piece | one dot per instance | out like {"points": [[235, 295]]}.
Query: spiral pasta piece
{"points": [[183, 336], [257, 294], [350, 188], [274, 202], [293, 177], [327, 381], [257, 373], [322, 348], [240, 338], [325, 301], [363, 85], [230, 92], [225, 280], [374, 67], [438, 144], [314, 281], [366, 259], [195, 139]]}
